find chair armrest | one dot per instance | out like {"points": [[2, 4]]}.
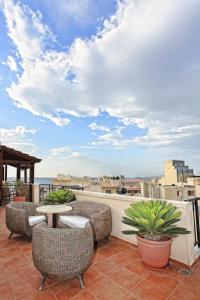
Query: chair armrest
{"points": [[16, 220]]}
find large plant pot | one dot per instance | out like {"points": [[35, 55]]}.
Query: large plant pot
{"points": [[154, 254], [19, 199]]}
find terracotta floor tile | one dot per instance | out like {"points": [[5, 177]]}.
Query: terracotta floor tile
{"points": [[20, 270], [172, 298], [193, 281], [185, 292], [65, 290], [85, 295], [129, 297], [122, 258], [173, 271], [107, 266], [117, 245], [50, 281], [15, 261], [92, 276], [107, 290], [26, 247], [2, 272], [27, 266], [197, 267], [97, 257], [163, 281], [145, 291], [107, 251], [26, 288], [133, 253], [24, 282], [125, 278], [5, 290], [28, 255], [138, 268], [40, 295], [6, 243]]}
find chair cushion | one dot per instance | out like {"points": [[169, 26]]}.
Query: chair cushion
{"points": [[74, 221], [34, 220]]}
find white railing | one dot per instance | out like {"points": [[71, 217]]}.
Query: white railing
{"points": [[183, 249]]}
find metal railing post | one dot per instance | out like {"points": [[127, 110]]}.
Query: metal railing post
{"points": [[195, 209]]}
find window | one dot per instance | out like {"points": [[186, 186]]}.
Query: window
{"points": [[108, 191], [190, 193], [177, 193]]}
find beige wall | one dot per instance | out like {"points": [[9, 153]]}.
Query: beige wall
{"points": [[182, 246], [196, 182], [170, 173]]}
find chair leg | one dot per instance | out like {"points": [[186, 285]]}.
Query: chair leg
{"points": [[107, 238], [42, 282], [80, 277], [10, 235], [95, 245], [29, 238]]}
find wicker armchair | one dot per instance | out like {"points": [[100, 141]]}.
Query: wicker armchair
{"points": [[64, 253], [99, 216], [19, 218]]}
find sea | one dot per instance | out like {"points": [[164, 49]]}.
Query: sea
{"points": [[43, 180], [38, 180]]}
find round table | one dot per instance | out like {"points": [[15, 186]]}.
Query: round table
{"points": [[54, 210]]}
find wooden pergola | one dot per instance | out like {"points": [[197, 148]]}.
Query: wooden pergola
{"points": [[19, 160]]}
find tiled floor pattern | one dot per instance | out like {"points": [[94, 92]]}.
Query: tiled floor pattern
{"points": [[116, 273]]}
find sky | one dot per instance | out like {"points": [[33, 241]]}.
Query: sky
{"points": [[101, 87]]}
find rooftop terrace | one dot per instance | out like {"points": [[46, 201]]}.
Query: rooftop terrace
{"points": [[116, 273]]}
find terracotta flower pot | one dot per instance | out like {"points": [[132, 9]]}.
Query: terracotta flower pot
{"points": [[19, 198], [154, 254]]}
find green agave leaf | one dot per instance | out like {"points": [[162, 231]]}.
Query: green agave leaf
{"points": [[130, 231], [169, 223], [128, 221], [154, 217]]}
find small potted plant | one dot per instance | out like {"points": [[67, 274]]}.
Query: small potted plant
{"points": [[59, 197], [22, 191], [154, 224]]}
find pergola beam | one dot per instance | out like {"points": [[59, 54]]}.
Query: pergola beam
{"points": [[18, 175], [19, 160], [16, 162], [5, 172]]}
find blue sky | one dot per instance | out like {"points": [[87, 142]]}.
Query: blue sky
{"points": [[101, 87]]}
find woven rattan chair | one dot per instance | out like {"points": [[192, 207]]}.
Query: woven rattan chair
{"points": [[62, 252], [98, 214], [21, 217]]}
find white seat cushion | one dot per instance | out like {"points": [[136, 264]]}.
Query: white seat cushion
{"points": [[34, 220], [74, 221]]}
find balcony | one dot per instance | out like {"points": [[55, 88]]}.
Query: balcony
{"points": [[116, 271]]}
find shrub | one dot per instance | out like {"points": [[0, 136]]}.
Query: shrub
{"points": [[59, 197], [153, 220]]}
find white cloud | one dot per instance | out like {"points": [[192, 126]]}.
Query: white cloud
{"points": [[11, 63], [18, 138], [95, 126], [113, 138], [74, 163], [60, 151], [64, 153], [144, 68]]}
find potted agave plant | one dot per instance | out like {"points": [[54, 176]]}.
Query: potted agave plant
{"points": [[154, 224], [59, 197]]}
